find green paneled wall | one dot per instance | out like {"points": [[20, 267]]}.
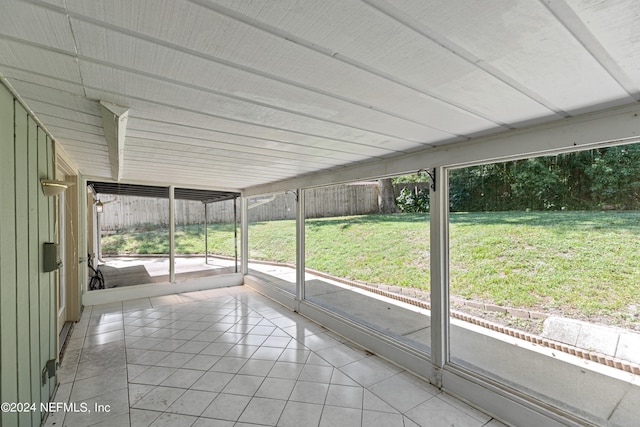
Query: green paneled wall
{"points": [[27, 299]]}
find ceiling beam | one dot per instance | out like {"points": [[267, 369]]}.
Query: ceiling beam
{"points": [[616, 126], [114, 123]]}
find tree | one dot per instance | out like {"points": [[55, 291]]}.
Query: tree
{"points": [[386, 197], [615, 177], [536, 184]]}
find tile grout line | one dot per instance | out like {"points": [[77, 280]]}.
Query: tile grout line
{"points": [[246, 324]]}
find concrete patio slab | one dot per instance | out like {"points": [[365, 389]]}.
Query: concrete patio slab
{"points": [[557, 329], [598, 338], [610, 341], [629, 347], [131, 271]]}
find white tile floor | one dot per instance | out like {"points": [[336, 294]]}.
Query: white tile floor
{"points": [[230, 357]]}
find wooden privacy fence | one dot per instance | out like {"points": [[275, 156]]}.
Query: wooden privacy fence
{"points": [[340, 200]]}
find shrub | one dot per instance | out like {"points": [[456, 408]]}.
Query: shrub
{"points": [[409, 201]]}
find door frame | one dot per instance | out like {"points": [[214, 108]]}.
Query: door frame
{"points": [[67, 236]]}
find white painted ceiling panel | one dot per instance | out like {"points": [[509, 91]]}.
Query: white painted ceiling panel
{"points": [[172, 166], [318, 158], [200, 150], [523, 40], [209, 158], [203, 30], [239, 93], [58, 3], [339, 78], [56, 97], [138, 87], [193, 71], [62, 123], [615, 26], [41, 80], [49, 104], [242, 143], [384, 44], [270, 138], [28, 22], [53, 102], [69, 116], [308, 68], [56, 65], [93, 160], [86, 139]]}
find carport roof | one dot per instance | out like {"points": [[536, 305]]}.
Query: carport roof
{"points": [[204, 196], [248, 95]]}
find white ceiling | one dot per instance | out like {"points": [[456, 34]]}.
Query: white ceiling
{"points": [[233, 94]]}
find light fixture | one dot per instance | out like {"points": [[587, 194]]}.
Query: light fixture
{"points": [[53, 188], [99, 206]]}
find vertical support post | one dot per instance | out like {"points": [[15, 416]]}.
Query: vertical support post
{"points": [[172, 234], [83, 240], [439, 228], [98, 236], [300, 247], [235, 231], [206, 236], [244, 235]]}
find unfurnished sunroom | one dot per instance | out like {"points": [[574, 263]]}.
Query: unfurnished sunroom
{"points": [[512, 124]]}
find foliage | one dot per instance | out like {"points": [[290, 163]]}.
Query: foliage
{"points": [[413, 196], [411, 178], [408, 201], [604, 178], [615, 176], [587, 180]]}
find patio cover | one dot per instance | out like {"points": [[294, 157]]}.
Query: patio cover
{"points": [[204, 196], [265, 96]]}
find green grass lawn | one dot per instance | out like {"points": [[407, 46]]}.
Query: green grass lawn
{"points": [[582, 264]]}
